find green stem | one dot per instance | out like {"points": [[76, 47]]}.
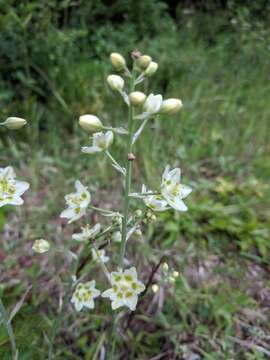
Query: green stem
{"points": [[116, 164], [3, 312], [127, 180], [105, 211]]}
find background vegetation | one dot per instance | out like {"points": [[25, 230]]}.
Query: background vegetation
{"points": [[215, 57]]}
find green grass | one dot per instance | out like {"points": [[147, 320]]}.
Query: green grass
{"points": [[218, 307]]}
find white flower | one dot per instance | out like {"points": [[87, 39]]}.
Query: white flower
{"points": [[77, 203], [41, 246], [101, 142], [87, 233], [84, 295], [11, 190], [100, 256], [152, 104], [125, 289], [172, 190], [154, 202]]}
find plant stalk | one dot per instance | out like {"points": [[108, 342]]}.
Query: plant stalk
{"points": [[127, 179]]}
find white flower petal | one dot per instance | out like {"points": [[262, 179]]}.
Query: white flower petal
{"points": [[21, 187], [132, 302], [108, 138], [16, 200], [132, 272], [177, 204], [185, 191], [78, 305], [68, 213], [89, 304], [91, 149], [117, 303], [108, 293], [8, 172]]}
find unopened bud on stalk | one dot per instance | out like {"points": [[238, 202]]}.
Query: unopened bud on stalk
{"points": [[144, 61], [170, 106], [151, 69], [138, 213], [14, 123], [118, 61], [90, 123], [115, 82], [41, 246], [138, 233], [137, 98], [116, 237]]}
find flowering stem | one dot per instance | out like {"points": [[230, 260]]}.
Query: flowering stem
{"points": [[4, 315], [127, 179]]}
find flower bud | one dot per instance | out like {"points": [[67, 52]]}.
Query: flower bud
{"points": [[41, 246], [115, 82], [138, 213], [165, 267], [151, 69], [138, 233], [118, 61], [14, 123], [137, 98], [144, 61], [116, 237], [170, 106], [90, 123]]}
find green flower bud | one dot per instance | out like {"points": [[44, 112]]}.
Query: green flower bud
{"points": [[137, 98], [151, 69], [144, 61], [118, 61], [90, 123], [115, 82], [14, 123], [170, 106]]}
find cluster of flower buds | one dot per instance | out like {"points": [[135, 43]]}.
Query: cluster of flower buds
{"points": [[144, 67]]}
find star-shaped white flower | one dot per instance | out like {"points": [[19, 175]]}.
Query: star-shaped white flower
{"points": [[172, 190], [11, 190], [152, 104], [101, 142], [154, 202], [125, 289], [77, 203], [87, 233], [100, 256], [84, 295]]}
